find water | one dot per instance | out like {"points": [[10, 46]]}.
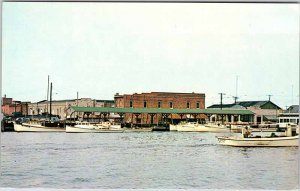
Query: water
{"points": [[170, 160]]}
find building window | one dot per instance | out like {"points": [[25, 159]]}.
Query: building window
{"points": [[198, 104], [159, 104], [188, 105], [171, 104], [130, 104], [145, 104]]}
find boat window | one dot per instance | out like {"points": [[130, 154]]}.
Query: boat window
{"points": [[145, 104], [188, 105]]}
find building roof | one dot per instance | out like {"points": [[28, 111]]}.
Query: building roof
{"points": [[219, 106], [161, 94], [245, 104], [160, 110], [292, 109], [251, 103], [70, 100]]}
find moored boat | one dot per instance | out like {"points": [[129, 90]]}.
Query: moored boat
{"points": [[246, 140], [259, 141], [85, 127], [31, 127], [215, 128], [173, 127], [188, 127]]}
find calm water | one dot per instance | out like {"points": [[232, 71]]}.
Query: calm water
{"points": [[142, 160]]}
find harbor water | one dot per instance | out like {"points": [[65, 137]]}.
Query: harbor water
{"points": [[165, 160]]}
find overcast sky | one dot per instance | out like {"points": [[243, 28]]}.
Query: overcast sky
{"points": [[100, 49]]}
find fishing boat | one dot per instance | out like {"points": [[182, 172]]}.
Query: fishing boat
{"points": [[247, 140], [173, 127], [212, 127], [36, 127], [51, 124], [188, 127], [86, 127]]}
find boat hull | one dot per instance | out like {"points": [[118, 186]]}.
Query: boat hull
{"points": [[259, 142], [173, 127], [127, 130], [70, 129], [36, 128]]}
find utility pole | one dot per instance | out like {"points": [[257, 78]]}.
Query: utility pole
{"points": [[235, 99], [77, 100], [222, 99], [236, 89], [292, 94], [222, 104]]}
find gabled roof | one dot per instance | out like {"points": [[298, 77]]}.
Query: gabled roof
{"points": [[219, 106], [244, 104], [252, 103], [292, 109]]}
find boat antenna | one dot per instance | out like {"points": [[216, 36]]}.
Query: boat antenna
{"points": [[50, 100], [47, 95]]}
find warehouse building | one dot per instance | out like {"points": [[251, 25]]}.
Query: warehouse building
{"points": [[163, 100]]}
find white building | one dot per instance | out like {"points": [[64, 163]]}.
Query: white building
{"points": [[62, 107], [289, 116]]}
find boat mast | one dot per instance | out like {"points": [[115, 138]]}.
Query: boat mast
{"points": [[50, 100], [47, 96]]}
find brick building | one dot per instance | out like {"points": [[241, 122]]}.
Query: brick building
{"points": [[10, 107], [159, 100]]}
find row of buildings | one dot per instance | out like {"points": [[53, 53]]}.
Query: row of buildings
{"points": [[264, 111]]}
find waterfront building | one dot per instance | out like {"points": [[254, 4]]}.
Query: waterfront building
{"points": [[62, 107], [291, 115], [167, 100], [10, 107], [264, 111]]}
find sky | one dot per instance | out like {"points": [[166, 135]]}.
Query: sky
{"points": [[100, 49]]}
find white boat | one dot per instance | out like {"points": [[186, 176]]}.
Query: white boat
{"points": [[257, 141], [108, 125], [30, 127], [85, 127], [173, 127], [188, 127], [211, 127]]}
